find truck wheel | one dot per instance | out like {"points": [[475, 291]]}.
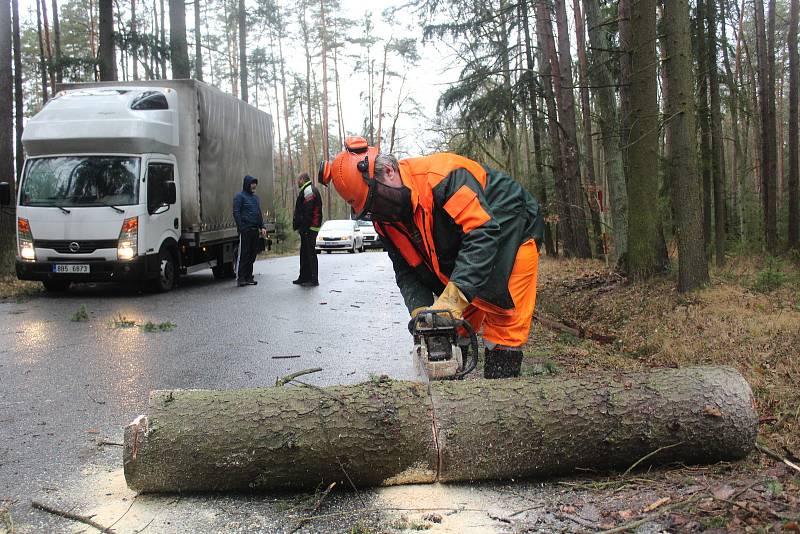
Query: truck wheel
{"points": [[167, 272], [56, 286]]}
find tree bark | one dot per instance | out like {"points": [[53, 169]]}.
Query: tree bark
{"points": [[703, 119], [107, 56], [686, 188], [198, 50], [646, 248], [576, 198], [6, 94], [541, 186], [738, 157], [794, 126], [179, 52], [608, 121], [547, 67], [162, 31], [717, 150], [766, 146], [48, 47], [586, 113], [387, 432], [243, 51], [42, 59], [18, 97], [59, 68], [625, 48]]}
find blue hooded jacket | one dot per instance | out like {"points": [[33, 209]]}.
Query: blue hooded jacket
{"points": [[247, 208]]}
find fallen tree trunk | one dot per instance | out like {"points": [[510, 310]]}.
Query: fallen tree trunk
{"points": [[387, 432]]}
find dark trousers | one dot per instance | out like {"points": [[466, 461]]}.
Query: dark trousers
{"points": [[308, 256], [248, 250]]}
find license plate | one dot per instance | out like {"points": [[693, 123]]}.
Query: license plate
{"points": [[73, 268]]}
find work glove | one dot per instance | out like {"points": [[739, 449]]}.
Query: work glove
{"points": [[451, 299]]}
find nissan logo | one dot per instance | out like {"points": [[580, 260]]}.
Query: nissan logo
{"points": [[74, 246]]}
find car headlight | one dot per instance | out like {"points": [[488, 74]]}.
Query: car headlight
{"points": [[344, 238]]}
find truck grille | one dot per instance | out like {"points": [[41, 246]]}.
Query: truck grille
{"points": [[84, 247]]}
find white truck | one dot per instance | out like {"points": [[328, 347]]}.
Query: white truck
{"points": [[134, 181]]}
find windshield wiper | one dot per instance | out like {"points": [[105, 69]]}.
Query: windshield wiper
{"points": [[62, 208], [115, 208]]}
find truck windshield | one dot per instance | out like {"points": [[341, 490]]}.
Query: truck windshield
{"points": [[81, 181]]}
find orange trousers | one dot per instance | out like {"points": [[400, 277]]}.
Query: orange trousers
{"points": [[511, 329]]}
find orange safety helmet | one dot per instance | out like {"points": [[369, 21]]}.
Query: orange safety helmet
{"points": [[352, 173]]}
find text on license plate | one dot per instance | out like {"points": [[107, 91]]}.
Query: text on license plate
{"points": [[70, 268]]}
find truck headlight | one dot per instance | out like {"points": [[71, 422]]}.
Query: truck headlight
{"points": [[128, 244], [26, 250], [25, 240]]}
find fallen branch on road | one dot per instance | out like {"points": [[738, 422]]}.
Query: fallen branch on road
{"points": [[288, 378], [87, 520]]}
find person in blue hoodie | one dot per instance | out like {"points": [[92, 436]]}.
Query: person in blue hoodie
{"points": [[250, 223]]}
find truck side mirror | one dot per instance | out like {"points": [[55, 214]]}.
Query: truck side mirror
{"points": [[5, 193], [170, 193]]}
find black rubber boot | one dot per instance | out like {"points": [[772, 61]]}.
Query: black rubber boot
{"points": [[501, 363]]}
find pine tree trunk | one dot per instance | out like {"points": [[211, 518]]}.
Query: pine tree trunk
{"points": [[794, 126], [18, 96], [242, 16], [107, 56], [6, 94], [48, 47], [541, 187], [58, 67], [625, 48], [771, 214], [608, 121], [646, 249], [387, 432], [292, 176], [547, 67], [576, 197], [717, 151], [703, 119], [737, 158], [164, 45], [586, 113], [765, 88], [42, 59], [323, 30], [686, 188], [198, 43], [179, 52], [378, 131]]}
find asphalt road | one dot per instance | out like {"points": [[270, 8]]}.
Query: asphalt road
{"points": [[67, 386]]}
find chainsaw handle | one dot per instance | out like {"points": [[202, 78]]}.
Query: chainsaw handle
{"points": [[473, 346]]}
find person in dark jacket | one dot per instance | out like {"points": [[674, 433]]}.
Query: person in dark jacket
{"points": [[250, 223], [306, 220], [455, 229]]}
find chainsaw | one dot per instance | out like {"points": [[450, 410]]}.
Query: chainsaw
{"points": [[438, 354]]}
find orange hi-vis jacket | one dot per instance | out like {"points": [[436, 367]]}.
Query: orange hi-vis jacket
{"points": [[468, 222]]}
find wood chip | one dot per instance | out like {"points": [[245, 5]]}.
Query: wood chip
{"points": [[652, 506]]}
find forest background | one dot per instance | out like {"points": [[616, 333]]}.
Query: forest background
{"points": [[656, 135]]}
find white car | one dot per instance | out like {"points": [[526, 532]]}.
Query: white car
{"points": [[343, 234], [370, 237]]}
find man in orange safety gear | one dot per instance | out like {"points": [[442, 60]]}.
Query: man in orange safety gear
{"points": [[455, 229]]}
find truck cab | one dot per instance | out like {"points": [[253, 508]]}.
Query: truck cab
{"points": [[111, 190]]}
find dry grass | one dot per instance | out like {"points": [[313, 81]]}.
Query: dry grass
{"points": [[13, 289], [748, 318]]}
